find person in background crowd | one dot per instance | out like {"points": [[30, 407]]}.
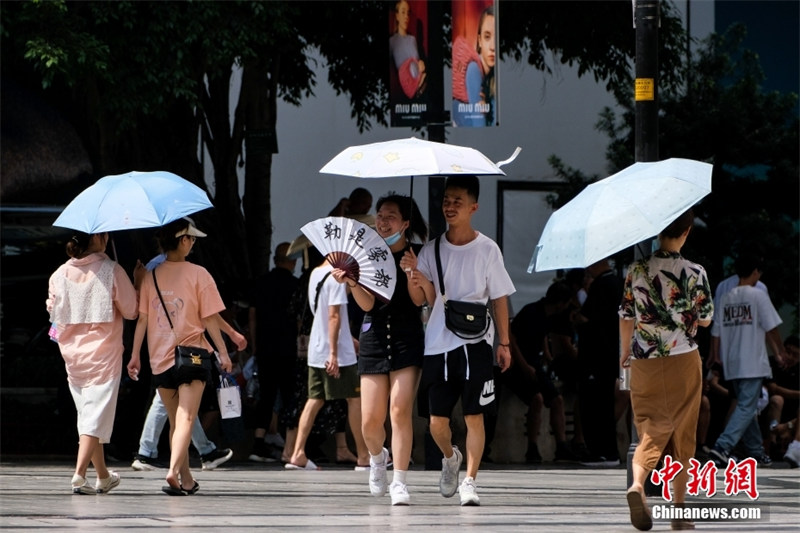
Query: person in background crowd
{"points": [[598, 349], [527, 377], [746, 319], [332, 369], [273, 332]]}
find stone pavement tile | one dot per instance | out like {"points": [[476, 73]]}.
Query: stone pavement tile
{"points": [[36, 497]]}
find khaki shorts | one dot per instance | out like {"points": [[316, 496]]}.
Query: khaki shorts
{"points": [[321, 386]]}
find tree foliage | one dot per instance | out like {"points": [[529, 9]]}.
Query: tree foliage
{"points": [[722, 115], [142, 81]]}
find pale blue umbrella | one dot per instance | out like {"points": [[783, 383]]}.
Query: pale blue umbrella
{"points": [[133, 200], [619, 211]]}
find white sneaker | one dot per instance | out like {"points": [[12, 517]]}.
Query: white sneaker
{"points": [[104, 485], [448, 482], [81, 486], [468, 494], [792, 455], [377, 474], [399, 493], [215, 458]]}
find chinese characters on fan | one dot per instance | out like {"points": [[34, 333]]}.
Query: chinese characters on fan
{"points": [[332, 231], [739, 477], [358, 237]]}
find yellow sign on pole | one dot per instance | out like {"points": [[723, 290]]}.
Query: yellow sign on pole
{"points": [[645, 89]]}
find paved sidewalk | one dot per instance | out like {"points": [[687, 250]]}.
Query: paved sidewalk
{"points": [[243, 497]]}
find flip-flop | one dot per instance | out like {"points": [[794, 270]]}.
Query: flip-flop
{"points": [[194, 489], [310, 465], [640, 514], [172, 491]]}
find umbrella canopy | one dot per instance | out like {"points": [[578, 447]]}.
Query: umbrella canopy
{"points": [[620, 211], [133, 200], [411, 157], [358, 250]]}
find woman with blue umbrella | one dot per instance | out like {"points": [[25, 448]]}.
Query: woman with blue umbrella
{"points": [[178, 303], [88, 298]]}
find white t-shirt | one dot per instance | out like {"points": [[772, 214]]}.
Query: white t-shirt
{"points": [[331, 293], [745, 315], [473, 272], [731, 282]]}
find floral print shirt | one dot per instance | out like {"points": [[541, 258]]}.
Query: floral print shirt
{"points": [[666, 295]]}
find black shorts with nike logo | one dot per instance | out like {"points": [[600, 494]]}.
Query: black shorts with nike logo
{"points": [[465, 373]]}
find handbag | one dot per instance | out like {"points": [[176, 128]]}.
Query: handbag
{"points": [[467, 320], [229, 397], [190, 361]]}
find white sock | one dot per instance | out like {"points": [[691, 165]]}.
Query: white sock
{"points": [[377, 459], [452, 457], [399, 476]]}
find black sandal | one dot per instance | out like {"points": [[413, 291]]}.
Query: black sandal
{"points": [[189, 492], [172, 491]]}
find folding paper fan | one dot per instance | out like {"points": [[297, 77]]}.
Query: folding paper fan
{"points": [[358, 250]]}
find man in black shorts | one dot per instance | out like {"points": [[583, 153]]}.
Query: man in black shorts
{"points": [[528, 378], [454, 367]]}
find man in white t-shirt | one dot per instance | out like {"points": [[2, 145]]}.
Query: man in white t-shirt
{"points": [[747, 316], [746, 262], [332, 364], [455, 367]]}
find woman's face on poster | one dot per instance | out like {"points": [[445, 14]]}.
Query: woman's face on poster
{"points": [[486, 42], [401, 15]]}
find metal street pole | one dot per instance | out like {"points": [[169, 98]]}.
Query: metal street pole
{"points": [[646, 20], [436, 116], [436, 119]]}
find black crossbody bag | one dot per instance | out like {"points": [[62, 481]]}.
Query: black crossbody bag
{"points": [[190, 361], [466, 320]]}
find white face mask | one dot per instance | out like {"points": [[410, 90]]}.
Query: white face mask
{"points": [[392, 239]]}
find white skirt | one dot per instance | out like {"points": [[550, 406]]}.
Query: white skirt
{"points": [[96, 405]]}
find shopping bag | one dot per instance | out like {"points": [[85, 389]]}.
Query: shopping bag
{"points": [[229, 397]]}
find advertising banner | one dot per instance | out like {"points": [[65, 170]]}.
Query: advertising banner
{"points": [[474, 61], [408, 47]]}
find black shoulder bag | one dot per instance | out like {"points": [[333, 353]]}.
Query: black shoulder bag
{"points": [[466, 320], [191, 362]]}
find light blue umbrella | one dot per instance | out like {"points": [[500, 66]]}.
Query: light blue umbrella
{"points": [[133, 200], [619, 211]]}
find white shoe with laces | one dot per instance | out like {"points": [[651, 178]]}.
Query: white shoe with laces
{"points": [[81, 486], [377, 474], [469, 496], [448, 482], [399, 493], [104, 485]]}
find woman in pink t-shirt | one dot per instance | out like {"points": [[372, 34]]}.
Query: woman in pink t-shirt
{"points": [[188, 293], [88, 296]]}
